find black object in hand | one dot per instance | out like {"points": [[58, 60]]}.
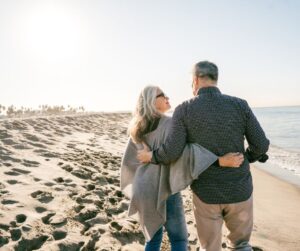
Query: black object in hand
{"points": [[263, 158]]}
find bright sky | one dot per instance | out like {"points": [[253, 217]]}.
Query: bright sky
{"points": [[100, 54]]}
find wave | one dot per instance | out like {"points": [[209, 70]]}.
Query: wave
{"points": [[286, 159]]}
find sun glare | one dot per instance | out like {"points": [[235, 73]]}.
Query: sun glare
{"points": [[52, 32]]}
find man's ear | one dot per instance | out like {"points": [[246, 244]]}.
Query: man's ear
{"points": [[195, 80], [195, 85]]}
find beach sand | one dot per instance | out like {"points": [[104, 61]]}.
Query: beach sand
{"points": [[59, 189], [276, 213]]}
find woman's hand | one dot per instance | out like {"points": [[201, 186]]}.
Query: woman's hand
{"points": [[144, 155], [231, 160]]}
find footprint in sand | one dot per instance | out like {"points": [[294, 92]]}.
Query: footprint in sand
{"points": [[26, 228], [15, 234], [47, 143], [3, 192], [49, 184], [3, 240], [50, 155], [126, 232], [78, 208], [30, 163], [4, 134], [119, 194], [46, 218], [57, 220], [193, 239], [38, 145], [86, 214], [19, 170], [5, 157], [68, 180], [8, 142], [12, 182], [89, 187], [40, 209], [4, 227], [59, 189], [21, 147], [116, 225], [20, 218], [12, 173], [112, 200], [8, 202], [42, 196], [114, 208], [58, 235], [7, 164], [257, 249], [59, 180], [72, 245], [40, 151], [31, 244], [81, 174], [18, 125], [68, 168], [31, 137]]}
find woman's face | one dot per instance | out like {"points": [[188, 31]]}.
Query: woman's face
{"points": [[162, 102]]}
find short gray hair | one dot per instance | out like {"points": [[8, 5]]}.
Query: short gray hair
{"points": [[206, 69]]}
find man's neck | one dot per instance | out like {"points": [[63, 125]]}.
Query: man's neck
{"points": [[208, 85]]}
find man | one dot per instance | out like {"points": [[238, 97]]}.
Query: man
{"points": [[219, 123]]}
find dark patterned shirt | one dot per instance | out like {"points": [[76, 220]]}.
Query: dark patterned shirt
{"points": [[220, 123]]}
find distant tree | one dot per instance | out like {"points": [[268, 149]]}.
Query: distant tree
{"points": [[2, 108], [11, 111], [81, 108]]}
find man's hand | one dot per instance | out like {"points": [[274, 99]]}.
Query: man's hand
{"points": [[144, 155], [231, 160]]}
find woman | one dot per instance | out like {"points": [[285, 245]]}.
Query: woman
{"points": [[154, 190]]}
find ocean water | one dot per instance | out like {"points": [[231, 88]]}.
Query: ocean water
{"points": [[282, 127]]}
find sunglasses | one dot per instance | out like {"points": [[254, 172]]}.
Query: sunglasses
{"points": [[161, 95]]}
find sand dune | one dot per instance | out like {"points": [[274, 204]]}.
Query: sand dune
{"points": [[59, 186]]}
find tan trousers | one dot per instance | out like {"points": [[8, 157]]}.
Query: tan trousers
{"points": [[238, 218]]}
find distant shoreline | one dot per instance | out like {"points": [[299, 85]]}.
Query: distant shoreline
{"points": [[258, 107], [3, 117], [280, 173]]}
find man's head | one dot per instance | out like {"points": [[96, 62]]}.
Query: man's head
{"points": [[205, 74]]}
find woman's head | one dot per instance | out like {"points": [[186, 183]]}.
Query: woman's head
{"points": [[162, 101], [152, 103]]}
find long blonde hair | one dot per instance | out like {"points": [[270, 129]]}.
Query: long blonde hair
{"points": [[144, 113]]}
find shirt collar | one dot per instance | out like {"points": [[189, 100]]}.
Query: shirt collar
{"points": [[209, 90]]}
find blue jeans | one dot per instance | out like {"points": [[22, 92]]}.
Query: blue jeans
{"points": [[175, 226]]}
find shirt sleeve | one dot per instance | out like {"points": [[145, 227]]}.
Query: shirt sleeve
{"points": [[256, 138], [175, 142]]}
